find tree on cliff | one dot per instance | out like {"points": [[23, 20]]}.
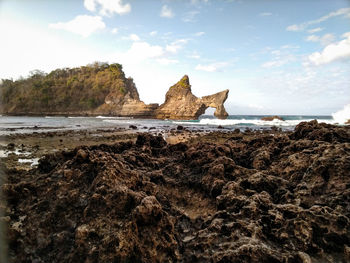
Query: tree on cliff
{"points": [[62, 90]]}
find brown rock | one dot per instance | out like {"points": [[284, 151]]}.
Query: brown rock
{"points": [[180, 103], [127, 103], [253, 198], [271, 118]]}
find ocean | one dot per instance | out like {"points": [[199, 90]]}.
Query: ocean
{"points": [[23, 124]]}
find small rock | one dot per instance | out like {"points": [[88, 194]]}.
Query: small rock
{"points": [[133, 127], [11, 146], [303, 257], [81, 154], [347, 252], [180, 127]]}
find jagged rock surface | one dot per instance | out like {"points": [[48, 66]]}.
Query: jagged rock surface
{"points": [[255, 198], [180, 103]]}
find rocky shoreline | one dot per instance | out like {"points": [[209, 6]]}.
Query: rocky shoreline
{"points": [[254, 196]]}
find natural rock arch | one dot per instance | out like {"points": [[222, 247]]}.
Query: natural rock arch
{"points": [[180, 103]]}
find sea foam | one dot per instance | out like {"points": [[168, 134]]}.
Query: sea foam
{"points": [[248, 122], [343, 115]]}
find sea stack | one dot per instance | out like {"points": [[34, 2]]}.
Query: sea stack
{"points": [[271, 118], [180, 103]]}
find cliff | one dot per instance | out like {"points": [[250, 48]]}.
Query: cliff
{"points": [[180, 103], [99, 89], [126, 104]]}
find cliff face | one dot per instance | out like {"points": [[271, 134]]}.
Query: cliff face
{"points": [[100, 89], [126, 104], [180, 103]]}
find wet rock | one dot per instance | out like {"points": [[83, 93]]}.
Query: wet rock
{"points": [[132, 127]]}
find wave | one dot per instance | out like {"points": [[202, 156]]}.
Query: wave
{"points": [[245, 122], [113, 117], [119, 121], [343, 115]]}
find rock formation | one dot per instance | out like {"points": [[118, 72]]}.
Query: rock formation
{"points": [[180, 103], [255, 197], [126, 103], [271, 118], [99, 89]]}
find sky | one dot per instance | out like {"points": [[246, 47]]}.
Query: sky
{"points": [[275, 56]]}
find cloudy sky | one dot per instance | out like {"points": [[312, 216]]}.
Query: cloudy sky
{"points": [[275, 56]]}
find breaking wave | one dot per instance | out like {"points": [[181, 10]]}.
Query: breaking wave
{"points": [[343, 115]]}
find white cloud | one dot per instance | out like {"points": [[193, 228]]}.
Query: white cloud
{"points": [[315, 30], [190, 16], [166, 12], [83, 25], [295, 28], [279, 60], [107, 7], [313, 38], [290, 47], [274, 63], [198, 34], [134, 37], [332, 52], [194, 55], [29, 47], [265, 14], [214, 67], [166, 61], [153, 33], [140, 51], [340, 12], [90, 5], [346, 35], [324, 40], [115, 30], [196, 2], [175, 46]]}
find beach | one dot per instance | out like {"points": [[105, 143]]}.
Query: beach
{"points": [[181, 195]]}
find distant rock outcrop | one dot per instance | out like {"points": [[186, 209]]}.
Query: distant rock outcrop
{"points": [[180, 103], [271, 118]]}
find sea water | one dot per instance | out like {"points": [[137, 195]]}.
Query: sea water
{"points": [[23, 124]]}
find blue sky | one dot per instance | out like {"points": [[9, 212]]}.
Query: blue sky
{"points": [[275, 56]]}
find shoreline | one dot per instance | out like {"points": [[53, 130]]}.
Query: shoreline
{"points": [[22, 146]]}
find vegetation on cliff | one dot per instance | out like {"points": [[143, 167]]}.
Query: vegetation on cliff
{"points": [[79, 89]]}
